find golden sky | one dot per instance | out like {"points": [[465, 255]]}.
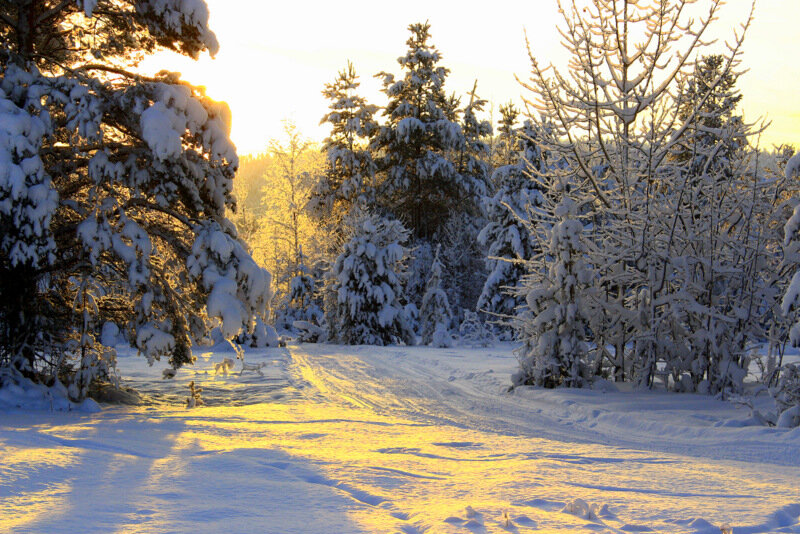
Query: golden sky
{"points": [[275, 57]]}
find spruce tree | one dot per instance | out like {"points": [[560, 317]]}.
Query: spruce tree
{"points": [[420, 181], [472, 157], [555, 326], [435, 315], [348, 180], [505, 238], [367, 284]]}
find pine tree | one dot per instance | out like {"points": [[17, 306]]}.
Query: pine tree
{"points": [[115, 178], [463, 260], [367, 282], [508, 140], [786, 391], [473, 332], [716, 136], [420, 180], [435, 315]]}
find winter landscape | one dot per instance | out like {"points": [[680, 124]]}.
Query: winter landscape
{"points": [[574, 309]]}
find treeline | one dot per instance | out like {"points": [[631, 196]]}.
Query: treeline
{"points": [[625, 225]]}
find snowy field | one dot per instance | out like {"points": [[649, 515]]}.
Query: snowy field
{"points": [[365, 439]]}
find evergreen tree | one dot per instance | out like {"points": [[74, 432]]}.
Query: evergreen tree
{"points": [[716, 136], [303, 303], [420, 180], [508, 140], [473, 331], [558, 292], [116, 180], [463, 259], [435, 315], [472, 158], [349, 176], [505, 237], [367, 283], [786, 377]]}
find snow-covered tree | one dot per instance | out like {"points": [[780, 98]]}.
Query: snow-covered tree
{"points": [[435, 315], [304, 295], [558, 291], [716, 135], [474, 332], [114, 178], [505, 238], [286, 236], [506, 147], [349, 176], [791, 232], [367, 283], [616, 122], [463, 260], [472, 157], [420, 182], [712, 230]]}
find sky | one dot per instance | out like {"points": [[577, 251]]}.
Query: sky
{"points": [[276, 57]]}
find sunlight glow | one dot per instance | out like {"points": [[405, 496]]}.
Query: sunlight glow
{"points": [[24, 508], [274, 59], [334, 455]]}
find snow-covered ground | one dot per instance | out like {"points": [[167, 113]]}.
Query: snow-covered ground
{"points": [[367, 439]]}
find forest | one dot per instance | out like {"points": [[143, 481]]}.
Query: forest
{"points": [[622, 223], [450, 312]]}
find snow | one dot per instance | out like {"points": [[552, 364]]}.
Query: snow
{"points": [[793, 166], [161, 130], [392, 439], [27, 198]]}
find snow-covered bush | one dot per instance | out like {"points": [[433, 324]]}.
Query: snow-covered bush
{"points": [[368, 286], [116, 180], [194, 400], [263, 335], [435, 315], [473, 332], [787, 395]]}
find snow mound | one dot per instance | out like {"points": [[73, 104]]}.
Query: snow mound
{"points": [[19, 393]]}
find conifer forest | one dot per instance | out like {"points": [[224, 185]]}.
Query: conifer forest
{"points": [[447, 313]]}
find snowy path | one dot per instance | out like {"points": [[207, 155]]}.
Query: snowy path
{"points": [[339, 440]]}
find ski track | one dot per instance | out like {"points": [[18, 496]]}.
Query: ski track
{"points": [[370, 439], [401, 382]]}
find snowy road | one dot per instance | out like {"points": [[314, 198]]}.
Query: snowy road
{"points": [[341, 439]]}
